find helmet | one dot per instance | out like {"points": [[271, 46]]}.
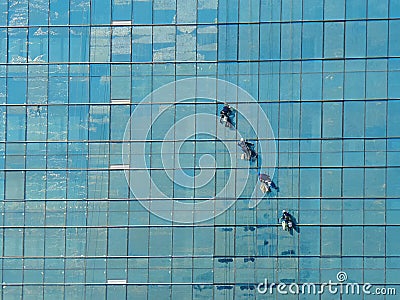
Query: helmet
{"points": [[242, 139], [283, 211]]}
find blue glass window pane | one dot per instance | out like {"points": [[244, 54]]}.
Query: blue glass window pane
{"points": [[312, 40], [290, 40], [355, 39], [334, 39], [142, 12], [270, 41], [79, 44], [356, 9], [59, 12], [354, 85], [312, 10], [353, 119], [100, 12], [394, 8], [207, 11], [121, 10], [18, 13], [291, 11], [79, 12], [3, 13], [394, 32], [311, 120], [334, 10], [228, 41], [38, 12], [228, 11], [59, 44], [249, 10], [377, 36], [377, 9], [142, 44], [164, 12]]}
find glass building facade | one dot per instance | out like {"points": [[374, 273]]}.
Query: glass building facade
{"points": [[325, 72]]}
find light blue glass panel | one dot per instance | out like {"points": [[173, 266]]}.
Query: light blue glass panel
{"points": [[98, 184], [393, 189], [312, 10], [376, 186], [227, 42], [333, 86], [116, 292], [334, 39], [394, 32], [353, 182], [79, 44], [119, 118], [3, 13], [355, 39], [376, 234], [289, 86], [331, 183], [17, 90], [160, 241], [38, 12], [100, 12], [207, 42], [312, 189], [290, 40], [59, 44], [100, 45], [117, 241], [332, 120], [78, 122], [142, 12], [96, 241], [377, 9], [59, 12], [312, 40], [330, 241], [79, 11], [352, 239], [375, 121], [393, 121], [354, 119], [121, 43], [334, 10], [270, 41], [57, 123], [291, 10], [182, 241], [249, 10], [99, 86], [228, 11], [186, 44], [14, 292], [310, 120], [56, 183], [311, 86], [356, 9], [99, 117], [16, 120], [394, 8], [377, 36], [18, 13], [354, 85], [122, 10], [164, 12], [207, 11], [13, 241]]}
